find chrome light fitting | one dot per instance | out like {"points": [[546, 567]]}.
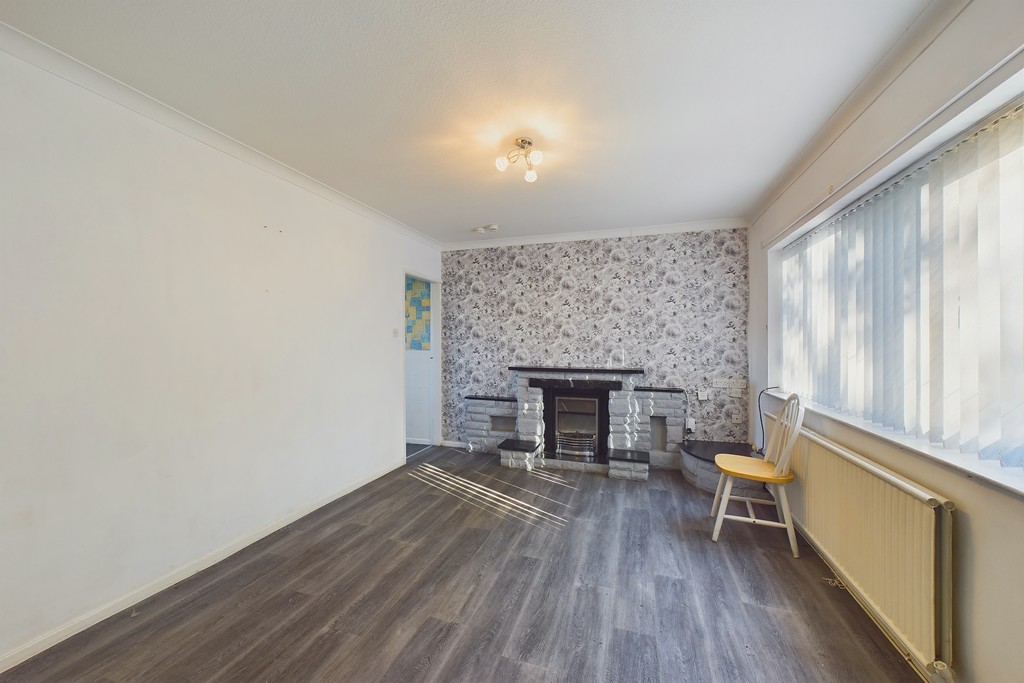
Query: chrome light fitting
{"points": [[523, 150]]}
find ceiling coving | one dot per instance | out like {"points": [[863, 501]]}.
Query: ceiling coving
{"points": [[653, 114]]}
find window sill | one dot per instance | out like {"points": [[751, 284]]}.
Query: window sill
{"points": [[989, 472]]}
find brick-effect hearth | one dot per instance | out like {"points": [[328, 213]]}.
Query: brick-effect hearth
{"points": [[482, 435], [630, 409]]}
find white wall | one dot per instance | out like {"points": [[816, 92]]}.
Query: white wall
{"points": [[911, 97], [196, 346]]}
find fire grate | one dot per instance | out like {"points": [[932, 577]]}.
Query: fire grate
{"points": [[578, 444]]}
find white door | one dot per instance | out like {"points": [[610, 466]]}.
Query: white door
{"points": [[418, 389], [420, 355]]}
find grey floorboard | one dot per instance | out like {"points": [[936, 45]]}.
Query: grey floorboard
{"points": [[683, 650], [403, 581], [633, 658]]}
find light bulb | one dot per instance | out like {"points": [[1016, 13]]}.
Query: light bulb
{"points": [[536, 157], [501, 163], [530, 176]]}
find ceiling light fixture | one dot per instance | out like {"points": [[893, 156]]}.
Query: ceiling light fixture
{"points": [[481, 229], [523, 150]]}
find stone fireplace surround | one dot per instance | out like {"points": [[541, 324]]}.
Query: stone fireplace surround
{"points": [[624, 410], [630, 409]]}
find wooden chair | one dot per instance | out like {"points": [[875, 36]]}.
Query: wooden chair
{"points": [[773, 470]]}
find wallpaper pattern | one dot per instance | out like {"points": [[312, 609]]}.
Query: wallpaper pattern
{"points": [[675, 305]]}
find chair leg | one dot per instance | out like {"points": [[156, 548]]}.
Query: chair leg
{"points": [[718, 495], [773, 489], [723, 505], [787, 518]]}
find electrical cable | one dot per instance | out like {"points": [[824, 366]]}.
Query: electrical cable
{"points": [[760, 414]]}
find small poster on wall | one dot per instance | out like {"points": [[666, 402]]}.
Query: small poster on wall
{"points": [[417, 314]]}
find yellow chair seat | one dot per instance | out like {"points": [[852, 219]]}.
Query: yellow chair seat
{"points": [[745, 467]]}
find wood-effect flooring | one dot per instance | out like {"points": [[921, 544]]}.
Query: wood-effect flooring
{"points": [[452, 568]]}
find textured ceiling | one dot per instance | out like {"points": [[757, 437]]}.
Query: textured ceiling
{"points": [[649, 113]]}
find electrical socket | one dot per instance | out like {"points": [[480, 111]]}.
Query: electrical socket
{"points": [[726, 382], [737, 419]]}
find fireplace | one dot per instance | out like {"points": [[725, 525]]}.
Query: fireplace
{"points": [[586, 419], [576, 418]]}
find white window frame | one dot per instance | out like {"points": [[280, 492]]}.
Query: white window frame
{"points": [[966, 112]]}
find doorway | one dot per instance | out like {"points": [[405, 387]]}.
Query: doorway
{"points": [[421, 367]]}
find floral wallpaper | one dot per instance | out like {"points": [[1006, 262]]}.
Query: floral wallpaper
{"points": [[675, 305]]}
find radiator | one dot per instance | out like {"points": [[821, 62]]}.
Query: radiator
{"points": [[889, 540]]}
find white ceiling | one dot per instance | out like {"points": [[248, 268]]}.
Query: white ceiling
{"points": [[651, 112]]}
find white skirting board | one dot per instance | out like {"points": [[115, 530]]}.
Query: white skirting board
{"points": [[79, 624]]}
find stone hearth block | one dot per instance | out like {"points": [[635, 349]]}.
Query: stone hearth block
{"points": [[664, 460], [517, 464], [631, 471], [574, 465], [632, 465], [520, 454], [571, 465], [482, 445]]}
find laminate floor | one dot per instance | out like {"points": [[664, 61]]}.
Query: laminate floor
{"points": [[452, 568], [412, 449]]}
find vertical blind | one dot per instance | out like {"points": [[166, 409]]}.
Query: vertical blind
{"points": [[907, 310]]}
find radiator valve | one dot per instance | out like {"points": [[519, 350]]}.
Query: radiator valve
{"points": [[939, 672]]}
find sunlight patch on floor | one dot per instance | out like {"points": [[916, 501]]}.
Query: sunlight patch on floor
{"points": [[553, 478], [532, 493], [486, 498]]}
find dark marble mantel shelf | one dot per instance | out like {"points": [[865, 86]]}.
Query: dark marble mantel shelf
{"points": [[667, 390], [582, 371]]}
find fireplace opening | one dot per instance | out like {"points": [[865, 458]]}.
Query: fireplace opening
{"points": [[576, 419], [576, 426]]}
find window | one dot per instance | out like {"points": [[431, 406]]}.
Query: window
{"points": [[907, 309]]}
